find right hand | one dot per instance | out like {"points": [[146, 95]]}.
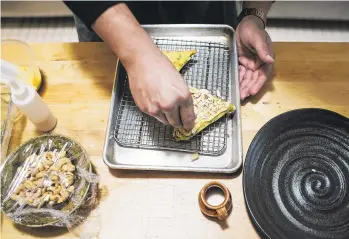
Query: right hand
{"points": [[160, 91], [157, 88]]}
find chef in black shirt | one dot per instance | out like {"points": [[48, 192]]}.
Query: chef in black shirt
{"points": [[157, 88]]}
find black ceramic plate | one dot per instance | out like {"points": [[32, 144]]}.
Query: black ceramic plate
{"points": [[296, 176]]}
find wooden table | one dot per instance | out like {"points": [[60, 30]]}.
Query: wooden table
{"points": [[149, 205]]}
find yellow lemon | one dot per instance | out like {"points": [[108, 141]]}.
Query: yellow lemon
{"points": [[32, 76]]}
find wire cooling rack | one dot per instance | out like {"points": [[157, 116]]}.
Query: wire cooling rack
{"points": [[208, 69]]}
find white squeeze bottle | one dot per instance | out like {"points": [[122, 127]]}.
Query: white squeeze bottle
{"points": [[27, 100]]}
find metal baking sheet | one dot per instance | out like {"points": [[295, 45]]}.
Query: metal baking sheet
{"points": [[136, 141]]}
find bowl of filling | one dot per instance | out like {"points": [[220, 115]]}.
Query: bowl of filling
{"points": [[44, 181]]}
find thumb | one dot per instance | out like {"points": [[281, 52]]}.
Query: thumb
{"points": [[261, 45]]}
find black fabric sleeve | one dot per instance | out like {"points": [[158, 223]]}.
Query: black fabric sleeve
{"points": [[89, 11]]}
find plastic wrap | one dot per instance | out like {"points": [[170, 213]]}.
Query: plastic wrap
{"points": [[49, 181]]}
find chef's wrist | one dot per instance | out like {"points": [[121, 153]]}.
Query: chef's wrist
{"points": [[141, 55], [258, 9], [256, 20], [264, 5], [254, 13]]}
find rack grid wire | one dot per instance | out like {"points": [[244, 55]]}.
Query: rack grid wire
{"points": [[208, 69]]}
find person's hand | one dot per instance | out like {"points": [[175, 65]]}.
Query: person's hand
{"points": [[256, 55], [157, 88], [160, 91]]}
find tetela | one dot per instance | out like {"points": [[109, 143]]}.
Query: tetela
{"points": [[208, 109], [179, 58]]}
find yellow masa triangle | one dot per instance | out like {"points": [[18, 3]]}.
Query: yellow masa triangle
{"points": [[179, 58], [208, 109]]}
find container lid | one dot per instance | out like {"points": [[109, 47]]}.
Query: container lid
{"points": [[9, 74]]}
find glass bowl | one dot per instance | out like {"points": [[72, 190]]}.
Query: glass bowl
{"points": [[47, 214]]}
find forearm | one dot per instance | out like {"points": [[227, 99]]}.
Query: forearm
{"points": [[116, 25], [121, 31]]}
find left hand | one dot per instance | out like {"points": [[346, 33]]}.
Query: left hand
{"points": [[256, 55]]}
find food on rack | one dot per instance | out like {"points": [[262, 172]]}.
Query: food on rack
{"points": [[208, 109], [179, 58], [45, 178]]}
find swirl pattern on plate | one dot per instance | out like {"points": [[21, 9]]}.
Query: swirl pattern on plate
{"points": [[296, 176]]}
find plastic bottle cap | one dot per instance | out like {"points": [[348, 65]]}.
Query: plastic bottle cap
{"points": [[21, 93], [9, 74]]}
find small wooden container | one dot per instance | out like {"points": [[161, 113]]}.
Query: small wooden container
{"points": [[220, 211]]}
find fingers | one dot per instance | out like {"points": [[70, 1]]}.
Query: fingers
{"points": [[262, 44], [258, 84], [155, 112], [249, 63], [179, 113], [245, 81], [183, 118], [242, 71], [162, 118], [252, 83], [182, 115], [187, 113], [173, 117], [264, 73], [249, 79]]}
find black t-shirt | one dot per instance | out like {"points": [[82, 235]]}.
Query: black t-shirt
{"points": [[162, 12]]}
